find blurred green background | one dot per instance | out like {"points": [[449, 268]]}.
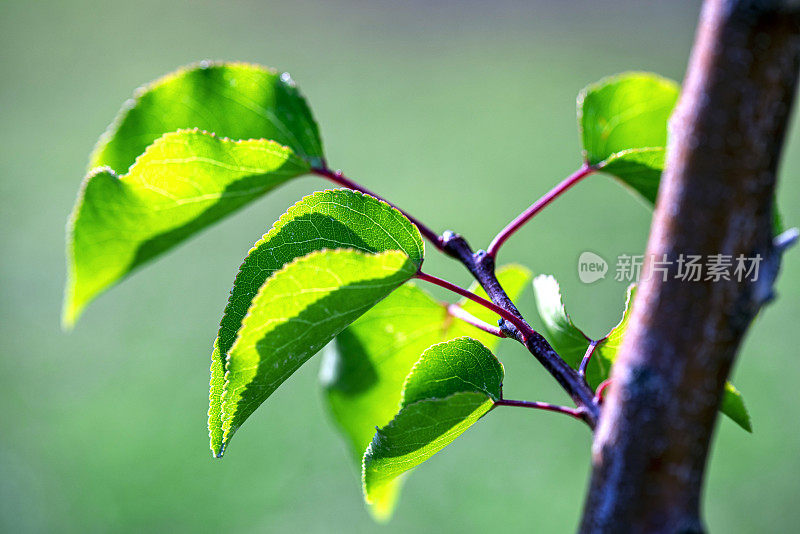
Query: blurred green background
{"points": [[105, 428]]}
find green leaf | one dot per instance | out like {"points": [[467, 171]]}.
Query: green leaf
{"points": [[623, 124], [364, 369], [452, 386], [153, 184], [565, 338], [568, 340], [334, 219], [296, 312], [183, 182], [733, 406], [608, 347], [234, 100]]}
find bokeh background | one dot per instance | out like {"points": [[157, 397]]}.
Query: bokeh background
{"points": [[462, 113]]}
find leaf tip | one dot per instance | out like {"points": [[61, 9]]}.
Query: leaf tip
{"points": [[70, 313]]}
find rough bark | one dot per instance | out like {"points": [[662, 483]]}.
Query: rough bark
{"points": [[716, 197]]}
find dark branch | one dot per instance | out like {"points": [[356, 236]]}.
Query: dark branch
{"points": [[716, 197]]}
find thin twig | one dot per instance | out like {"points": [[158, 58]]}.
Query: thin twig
{"points": [[516, 321], [459, 313], [598, 396], [577, 413], [586, 357], [536, 207]]}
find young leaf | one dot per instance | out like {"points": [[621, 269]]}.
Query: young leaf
{"points": [[334, 219], [607, 348], [138, 202], [363, 370], [234, 100], [733, 406], [623, 125], [568, 340], [183, 182], [452, 386], [296, 312], [563, 335]]}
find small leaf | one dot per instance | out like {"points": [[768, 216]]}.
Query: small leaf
{"points": [[296, 312], [331, 219], [564, 336], [607, 348], [234, 100], [364, 369], [452, 386], [623, 124], [184, 182], [568, 340], [733, 406]]}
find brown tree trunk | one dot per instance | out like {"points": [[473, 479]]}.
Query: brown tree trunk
{"points": [[716, 197]]}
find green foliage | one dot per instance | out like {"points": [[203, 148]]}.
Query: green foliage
{"points": [[623, 124], [152, 184], [326, 220], [564, 336], [202, 142], [365, 367], [451, 386]]}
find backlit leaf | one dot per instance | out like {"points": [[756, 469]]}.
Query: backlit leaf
{"points": [[152, 184], [452, 386], [334, 219], [364, 369], [623, 124]]}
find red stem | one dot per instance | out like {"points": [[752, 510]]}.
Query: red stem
{"points": [[458, 312], [598, 396], [577, 413], [338, 178], [538, 206], [523, 328]]}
